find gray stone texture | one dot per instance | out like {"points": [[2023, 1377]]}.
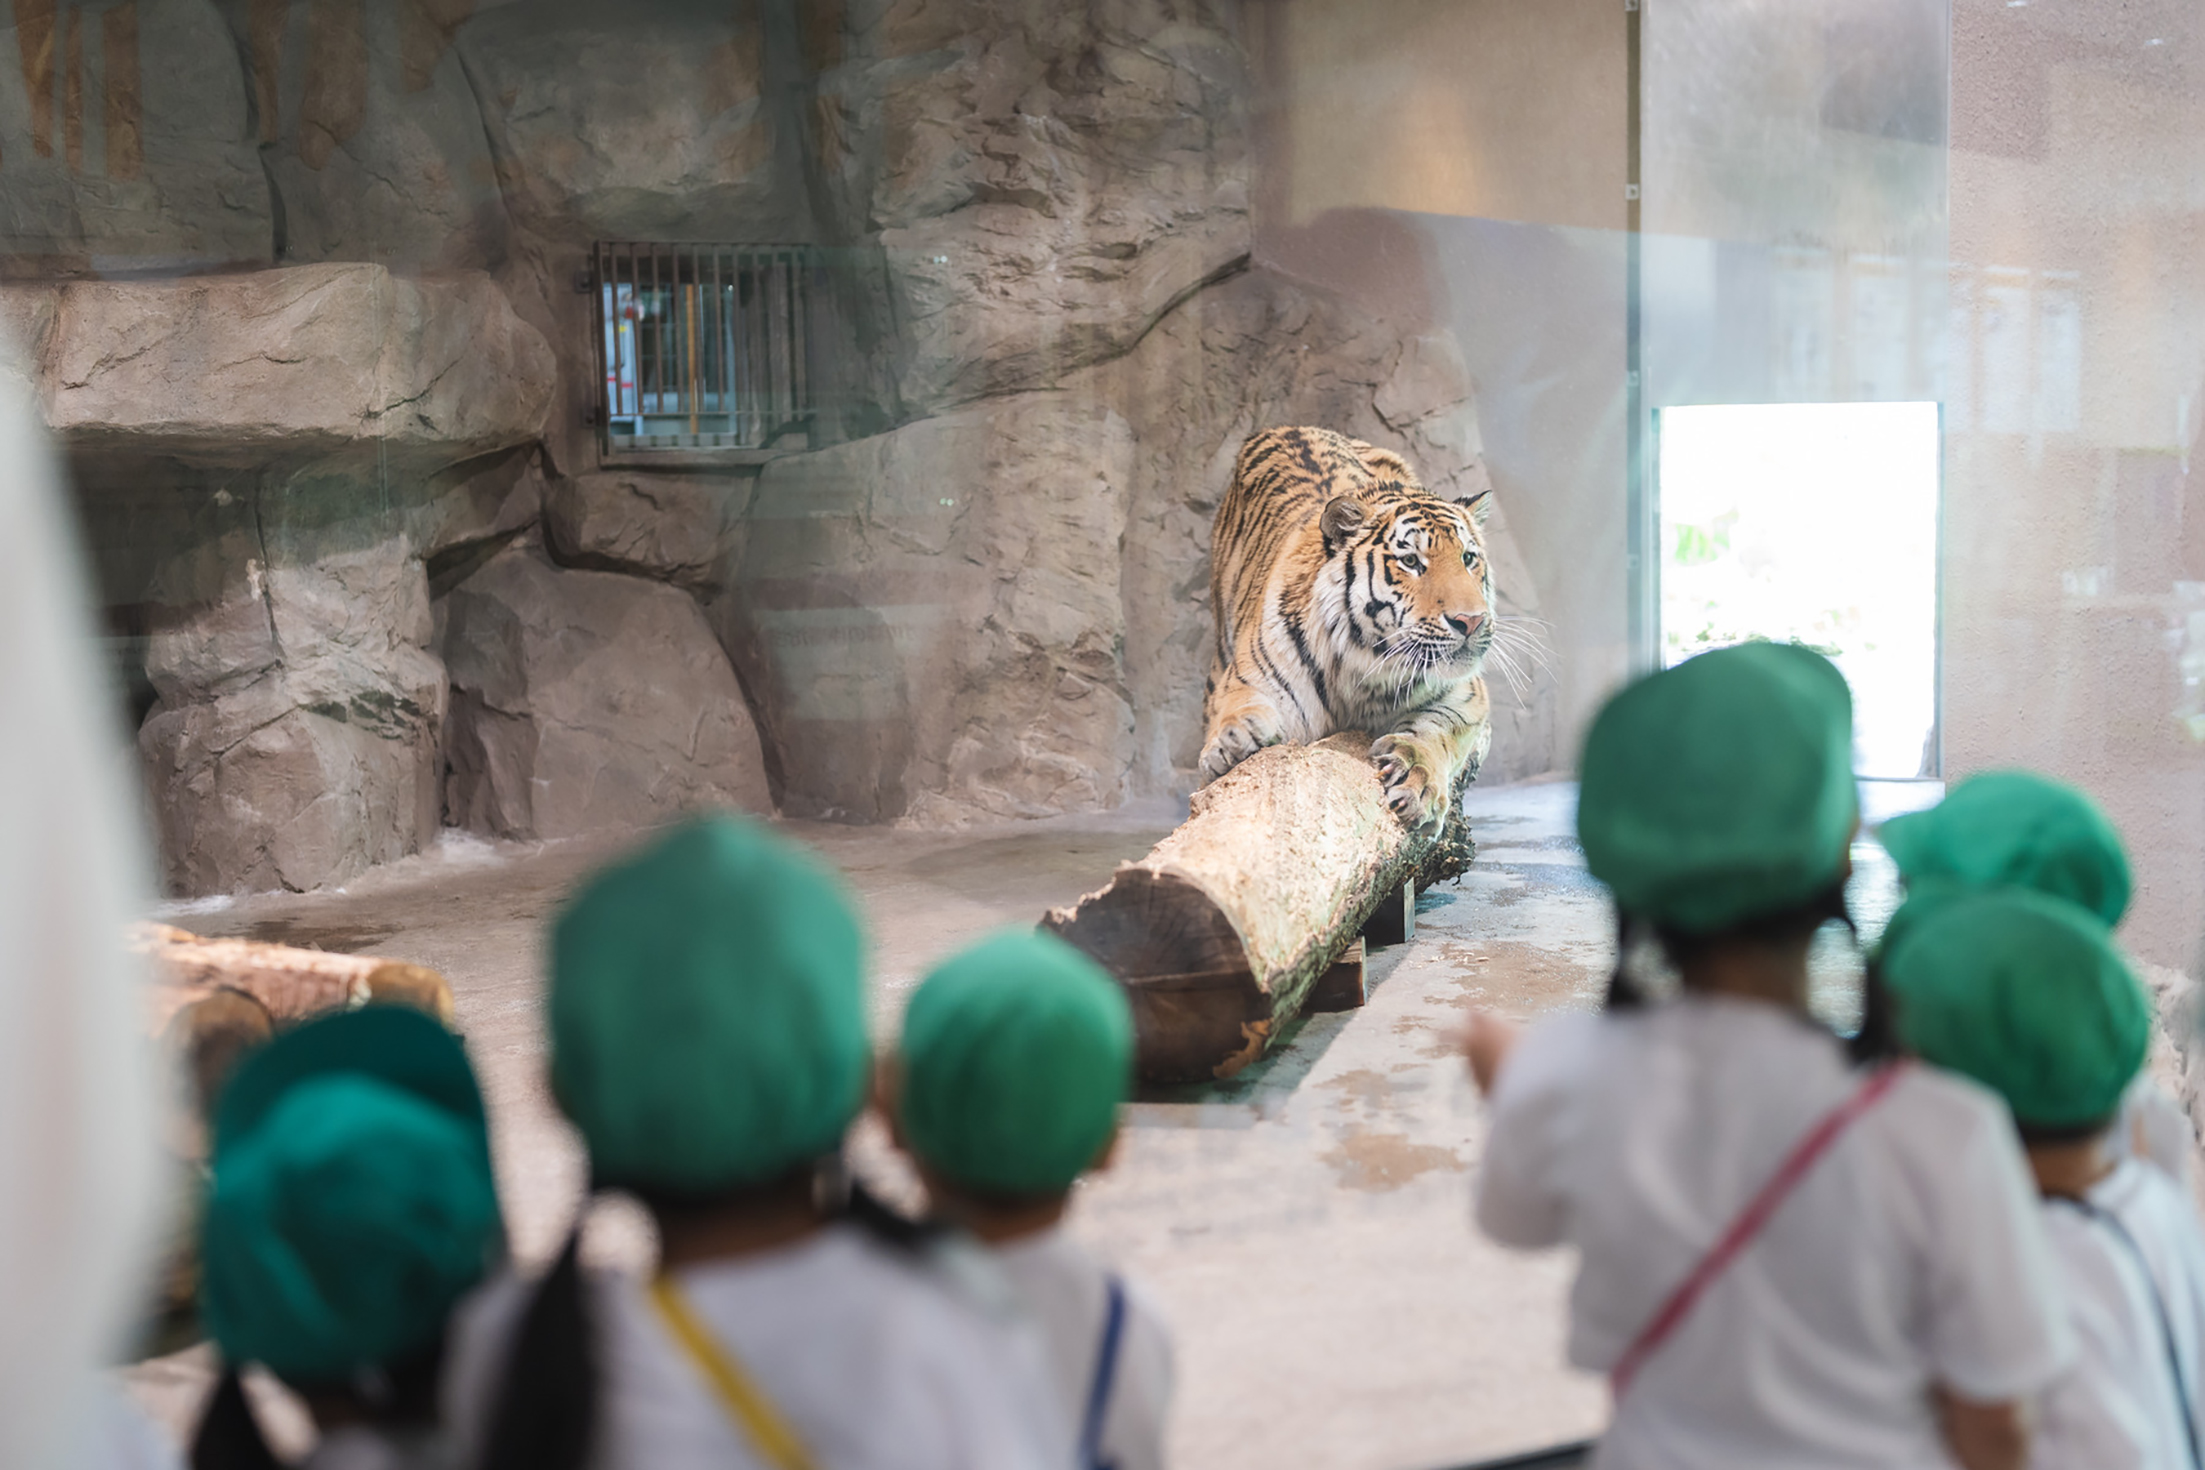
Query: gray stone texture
{"points": [[587, 701], [1046, 180], [159, 168], [294, 741], [478, 503], [285, 367], [931, 618], [652, 524], [374, 139], [981, 594], [265, 460], [647, 120]]}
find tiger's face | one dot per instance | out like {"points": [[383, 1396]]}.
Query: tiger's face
{"points": [[1416, 589]]}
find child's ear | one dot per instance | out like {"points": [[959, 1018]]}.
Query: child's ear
{"points": [[887, 1092], [1107, 1154]]}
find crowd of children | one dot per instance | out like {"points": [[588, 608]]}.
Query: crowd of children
{"points": [[1962, 1236], [709, 1040]]}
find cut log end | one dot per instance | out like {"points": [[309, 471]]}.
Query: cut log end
{"points": [[1185, 971], [1234, 924]]}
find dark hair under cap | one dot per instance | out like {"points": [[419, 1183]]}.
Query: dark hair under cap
{"points": [[1875, 1039]]}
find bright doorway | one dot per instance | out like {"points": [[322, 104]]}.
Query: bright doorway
{"points": [[1812, 523]]}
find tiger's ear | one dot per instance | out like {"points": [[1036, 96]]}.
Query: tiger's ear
{"points": [[1344, 516], [1479, 505]]}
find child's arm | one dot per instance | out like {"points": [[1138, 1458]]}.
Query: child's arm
{"points": [[1486, 1043], [1532, 1077], [1992, 1436]]}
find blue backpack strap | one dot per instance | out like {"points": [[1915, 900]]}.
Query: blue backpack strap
{"points": [[1106, 1375], [2120, 1232]]}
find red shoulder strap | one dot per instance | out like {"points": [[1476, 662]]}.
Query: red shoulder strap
{"points": [[1749, 1223]]}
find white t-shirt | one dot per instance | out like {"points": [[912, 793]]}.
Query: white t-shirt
{"points": [[1911, 1254], [1067, 1291], [2120, 1405], [874, 1358], [116, 1435]]}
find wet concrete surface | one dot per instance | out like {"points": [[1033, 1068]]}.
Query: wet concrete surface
{"points": [[1306, 1225]]}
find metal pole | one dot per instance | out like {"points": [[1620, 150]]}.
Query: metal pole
{"points": [[655, 316], [603, 306], [689, 306], [715, 321], [1642, 523]]}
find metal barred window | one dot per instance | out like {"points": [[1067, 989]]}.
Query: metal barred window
{"points": [[705, 347]]}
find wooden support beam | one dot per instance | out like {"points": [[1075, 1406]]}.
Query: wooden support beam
{"points": [[1343, 987], [1221, 933], [1394, 920]]}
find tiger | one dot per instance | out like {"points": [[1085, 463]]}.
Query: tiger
{"points": [[1347, 596]]}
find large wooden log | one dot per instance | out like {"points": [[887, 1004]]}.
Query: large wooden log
{"points": [[211, 1001], [290, 983], [1221, 931]]}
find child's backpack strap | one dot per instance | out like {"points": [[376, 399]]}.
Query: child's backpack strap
{"points": [[2113, 1226], [1105, 1379], [1749, 1223]]}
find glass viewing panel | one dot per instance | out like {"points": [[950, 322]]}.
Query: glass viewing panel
{"points": [[1811, 523], [481, 451]]}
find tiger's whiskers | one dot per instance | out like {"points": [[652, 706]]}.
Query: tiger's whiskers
{"points": [[1519, 653]]}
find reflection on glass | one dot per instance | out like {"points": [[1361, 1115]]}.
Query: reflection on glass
{"points": [[1812, 523]]}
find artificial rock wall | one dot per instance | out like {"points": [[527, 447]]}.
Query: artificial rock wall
{"points": [[365, 571]]}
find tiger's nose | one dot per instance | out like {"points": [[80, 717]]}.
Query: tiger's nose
{"points": [[1466, 623]]}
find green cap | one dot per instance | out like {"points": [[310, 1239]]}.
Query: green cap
{"points": [[1016, 1056], [1925, 895], [2024, 993], [708, 1011], [2019, 828], [352, 1202], [1721, 790]]}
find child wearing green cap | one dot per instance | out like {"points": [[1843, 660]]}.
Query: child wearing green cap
{"points": [[1016, 1057], [351, 1205], [2019, 829], [708, 1041], [2026, 994], [1784, 1258]]}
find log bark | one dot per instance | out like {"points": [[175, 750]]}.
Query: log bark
{"points": [[1220, 932], [292, 984]]}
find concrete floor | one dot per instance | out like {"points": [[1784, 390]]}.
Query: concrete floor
{"points": [[1306, 1226]]}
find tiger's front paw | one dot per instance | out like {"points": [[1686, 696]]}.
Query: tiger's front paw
{"points": [[1412, 790], [1240, 739]]}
